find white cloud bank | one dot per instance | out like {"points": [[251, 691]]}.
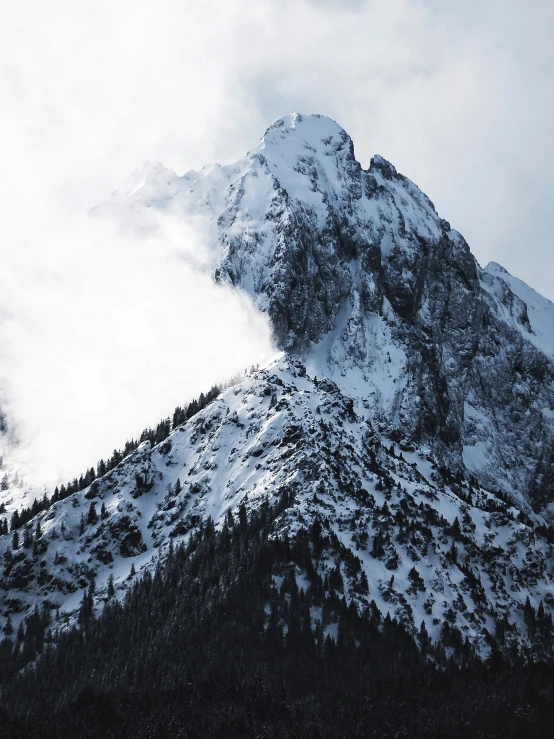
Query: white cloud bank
{"points": [[109, 331]]}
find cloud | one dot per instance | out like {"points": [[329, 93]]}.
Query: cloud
{"points": [[109, 333], [340, 5], [456, 95]]}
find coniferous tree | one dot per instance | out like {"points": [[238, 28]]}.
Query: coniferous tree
{"points": [[452, 555], [8, 626], [85, 610], [529, 615], [15, 522], [92, 517]]}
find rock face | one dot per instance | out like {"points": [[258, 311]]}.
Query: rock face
{"points": [[411, 413], [369, 286]]}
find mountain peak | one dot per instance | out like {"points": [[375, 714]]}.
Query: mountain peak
{"points": [[306, 136], [494, 268], [144, 184], [380, 164], [313, 128]]}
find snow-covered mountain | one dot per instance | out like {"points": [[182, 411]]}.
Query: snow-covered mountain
{"points": [[370, 287], [411, 410]]}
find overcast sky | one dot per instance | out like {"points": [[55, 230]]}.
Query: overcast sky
{"points": [[457, 95]]}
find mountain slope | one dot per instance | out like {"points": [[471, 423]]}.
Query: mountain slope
{"points": [[221, 641], [430, 547]]}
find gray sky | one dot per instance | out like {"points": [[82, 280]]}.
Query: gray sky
{"points": [[457, 95]]}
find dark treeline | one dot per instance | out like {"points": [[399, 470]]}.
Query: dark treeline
{"points": [[238, 635], [181, 415]]}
